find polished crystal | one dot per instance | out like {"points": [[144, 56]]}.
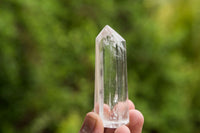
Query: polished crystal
{"points": [[111, 91]]}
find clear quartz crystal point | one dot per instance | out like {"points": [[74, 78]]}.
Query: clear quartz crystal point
{"points": [[111, 92]]}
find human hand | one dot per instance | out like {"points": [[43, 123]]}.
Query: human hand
{"points": [[94, 124]]}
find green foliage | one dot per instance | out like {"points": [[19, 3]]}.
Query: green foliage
{"points": [[47, 56]]}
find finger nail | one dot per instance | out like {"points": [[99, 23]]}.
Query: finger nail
{"points": [[122, 129], [88, 125]]}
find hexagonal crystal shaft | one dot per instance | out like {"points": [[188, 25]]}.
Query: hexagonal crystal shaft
{"points": [[111, 92]]}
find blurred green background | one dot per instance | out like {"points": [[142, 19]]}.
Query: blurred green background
{"points": [[47, 61]]}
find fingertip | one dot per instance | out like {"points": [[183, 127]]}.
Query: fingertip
{"points": [[92, 124], [131, 105], [99, 128], [136, 117], [136, 121], [92, 114], [122, 129], [140, 117]]}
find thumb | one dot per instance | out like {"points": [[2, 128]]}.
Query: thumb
{"points": [[92, 124]]}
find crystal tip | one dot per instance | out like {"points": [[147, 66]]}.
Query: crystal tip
{"points": [[108, 31]]}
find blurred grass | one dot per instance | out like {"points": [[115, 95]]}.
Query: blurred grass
{"points": [[47, 56]]}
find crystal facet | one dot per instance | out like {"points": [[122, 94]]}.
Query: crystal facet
{"points": [[111, 91]]}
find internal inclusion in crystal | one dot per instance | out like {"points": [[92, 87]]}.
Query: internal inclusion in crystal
{"points": [[111, 92]]}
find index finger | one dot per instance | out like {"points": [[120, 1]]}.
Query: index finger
{"points": [[131, 105]]}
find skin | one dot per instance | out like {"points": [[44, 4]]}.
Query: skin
{"points": [[94, 124]]}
